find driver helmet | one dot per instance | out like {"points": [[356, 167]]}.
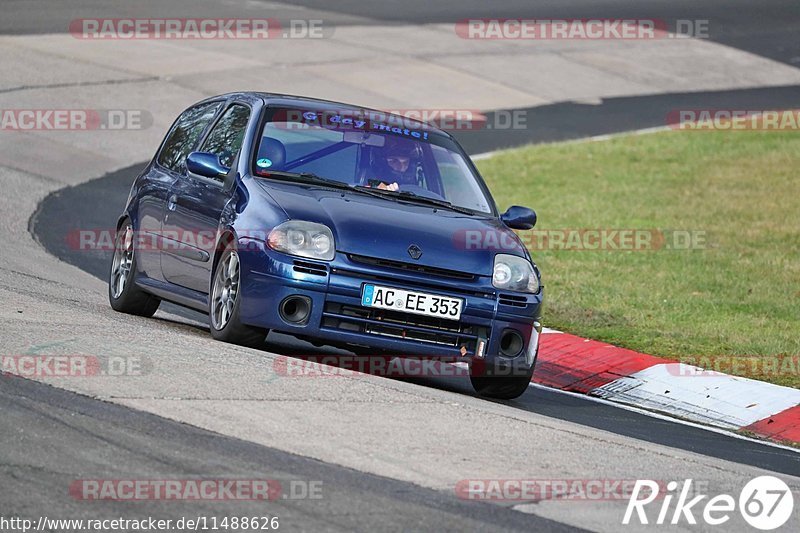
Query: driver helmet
{"points": [[397, 162]]}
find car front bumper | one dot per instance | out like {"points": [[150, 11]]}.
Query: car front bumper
{"points": [[337, 317]]}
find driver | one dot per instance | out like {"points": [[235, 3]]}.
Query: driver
{"points": [[395, 165]]}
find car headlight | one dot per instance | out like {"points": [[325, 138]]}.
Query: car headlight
{"points": [[514, 273], [303, 239]]}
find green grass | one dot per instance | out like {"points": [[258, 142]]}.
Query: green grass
{"points": [[738, 296]]}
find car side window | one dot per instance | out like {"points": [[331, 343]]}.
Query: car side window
{"points": [[307, 139], [225, 140], [184, 135]]}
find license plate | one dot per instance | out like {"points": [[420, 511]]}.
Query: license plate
{"points": [[419, 303]]}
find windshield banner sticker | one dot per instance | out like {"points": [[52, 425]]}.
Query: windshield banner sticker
{"points": [[380, 122]]}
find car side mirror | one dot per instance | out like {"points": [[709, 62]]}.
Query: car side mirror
{"points": [[206, 165], [517, 217]]}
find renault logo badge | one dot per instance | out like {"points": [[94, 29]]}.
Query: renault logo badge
{"points": [[415, 251]]}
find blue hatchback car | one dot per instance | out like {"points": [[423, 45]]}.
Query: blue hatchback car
{"points": [[337, 224]]}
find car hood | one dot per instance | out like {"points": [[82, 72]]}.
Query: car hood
{"points": [[385, 229]]}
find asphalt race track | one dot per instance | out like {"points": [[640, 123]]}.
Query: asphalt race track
{"points": [[62, 210], [764, 28], [387, 453], [123, 443]]}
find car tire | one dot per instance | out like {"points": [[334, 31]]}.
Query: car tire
{"points": [[500, 387], [123, 294], [224, 301]]}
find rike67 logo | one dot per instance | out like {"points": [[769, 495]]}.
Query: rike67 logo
{"points": [[766, 503]]}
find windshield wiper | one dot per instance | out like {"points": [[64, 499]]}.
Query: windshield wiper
{"points": [[314, 179], [408, 195], [310, 178]]}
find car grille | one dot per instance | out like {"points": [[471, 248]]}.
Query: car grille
{"points": [[402, 325], [307, 267], [513, 300], [410, 267]]}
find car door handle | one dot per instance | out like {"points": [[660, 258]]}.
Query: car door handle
{"points": [[172, 203]]}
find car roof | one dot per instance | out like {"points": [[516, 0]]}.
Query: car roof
{"points": [[289, 100]]}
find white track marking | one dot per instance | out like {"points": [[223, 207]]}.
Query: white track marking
{"points": [[667, 418], [706, 397]]}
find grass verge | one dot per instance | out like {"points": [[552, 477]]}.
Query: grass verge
{"points": [[730, 302]]}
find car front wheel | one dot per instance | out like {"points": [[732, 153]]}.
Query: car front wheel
{"points": [[224, 303]]}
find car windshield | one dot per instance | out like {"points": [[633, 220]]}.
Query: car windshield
{"points": [[381, 152]]}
